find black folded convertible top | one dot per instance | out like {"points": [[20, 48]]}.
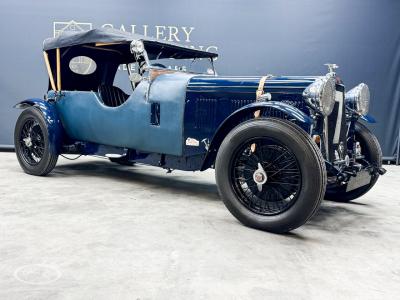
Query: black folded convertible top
{"points": [[70, 39]]}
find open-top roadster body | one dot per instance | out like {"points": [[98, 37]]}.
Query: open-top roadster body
{"points": [[278, 144]]}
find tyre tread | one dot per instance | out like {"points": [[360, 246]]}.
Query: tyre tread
{"points": [[52, 159], [301, 137]]}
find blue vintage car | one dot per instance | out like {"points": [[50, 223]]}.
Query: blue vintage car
{"points": [[278, 144]]}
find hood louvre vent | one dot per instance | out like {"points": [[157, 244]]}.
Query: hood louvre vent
{"points": [[293, 100], [238, 103], [206, 112]]}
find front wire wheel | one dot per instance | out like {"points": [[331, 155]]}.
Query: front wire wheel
{"points": [[266, 176], [270, 174]]}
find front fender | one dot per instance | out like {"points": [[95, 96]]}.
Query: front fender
{"points": [[50, 114], [368, 118], [237, 116], [280, 106]]}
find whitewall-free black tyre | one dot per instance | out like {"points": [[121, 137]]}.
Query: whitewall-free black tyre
{"points": [[270, 174], [35, 153]]}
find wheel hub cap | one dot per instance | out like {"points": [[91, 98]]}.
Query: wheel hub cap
{"points": [[260, 177], [28, 141]]}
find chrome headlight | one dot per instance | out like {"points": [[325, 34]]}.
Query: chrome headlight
{"points": [[137, 47], [321, 94], [358, 98]]}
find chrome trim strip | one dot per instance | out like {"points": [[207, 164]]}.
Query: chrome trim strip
{"points": [[191, 85], [239, 92], [247, 80]]}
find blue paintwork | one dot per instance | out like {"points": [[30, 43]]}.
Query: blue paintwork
{"points": [[86, 118], [191, 106], [368, 118], [50, 113], [211, 100], [283, 107], [248, 84]]}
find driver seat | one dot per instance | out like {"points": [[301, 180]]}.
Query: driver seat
{"points": [[111, 95]]}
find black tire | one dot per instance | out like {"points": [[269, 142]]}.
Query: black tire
{"points": [[122, 161], [373, 154], [273, 135], [40, 157]]}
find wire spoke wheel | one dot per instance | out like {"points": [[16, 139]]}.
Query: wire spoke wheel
{"points": [[32, 142], [35, 154], [279, 189], [270, 174]]}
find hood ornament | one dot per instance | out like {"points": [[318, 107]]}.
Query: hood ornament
{"points": [[331, 67]]}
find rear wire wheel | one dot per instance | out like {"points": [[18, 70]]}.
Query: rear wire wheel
{"points": [[270, 174], [35, 153]]}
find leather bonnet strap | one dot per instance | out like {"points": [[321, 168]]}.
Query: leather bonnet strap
{"points": [[260, 92], [260, 89]]}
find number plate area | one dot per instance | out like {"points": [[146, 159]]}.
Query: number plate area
{"points": [[362, 178]]}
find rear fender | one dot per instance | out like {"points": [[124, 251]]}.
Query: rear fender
{"points": [[239, 115], [54, 125]]}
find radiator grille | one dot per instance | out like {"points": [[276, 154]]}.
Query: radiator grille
{"points": [[335, 123]]}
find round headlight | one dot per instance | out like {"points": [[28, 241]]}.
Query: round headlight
{"points": [[358, 98], [137, 47], [321, 94]]}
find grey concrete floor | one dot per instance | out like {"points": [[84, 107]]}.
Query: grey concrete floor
{"points": [[97, 230]]}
